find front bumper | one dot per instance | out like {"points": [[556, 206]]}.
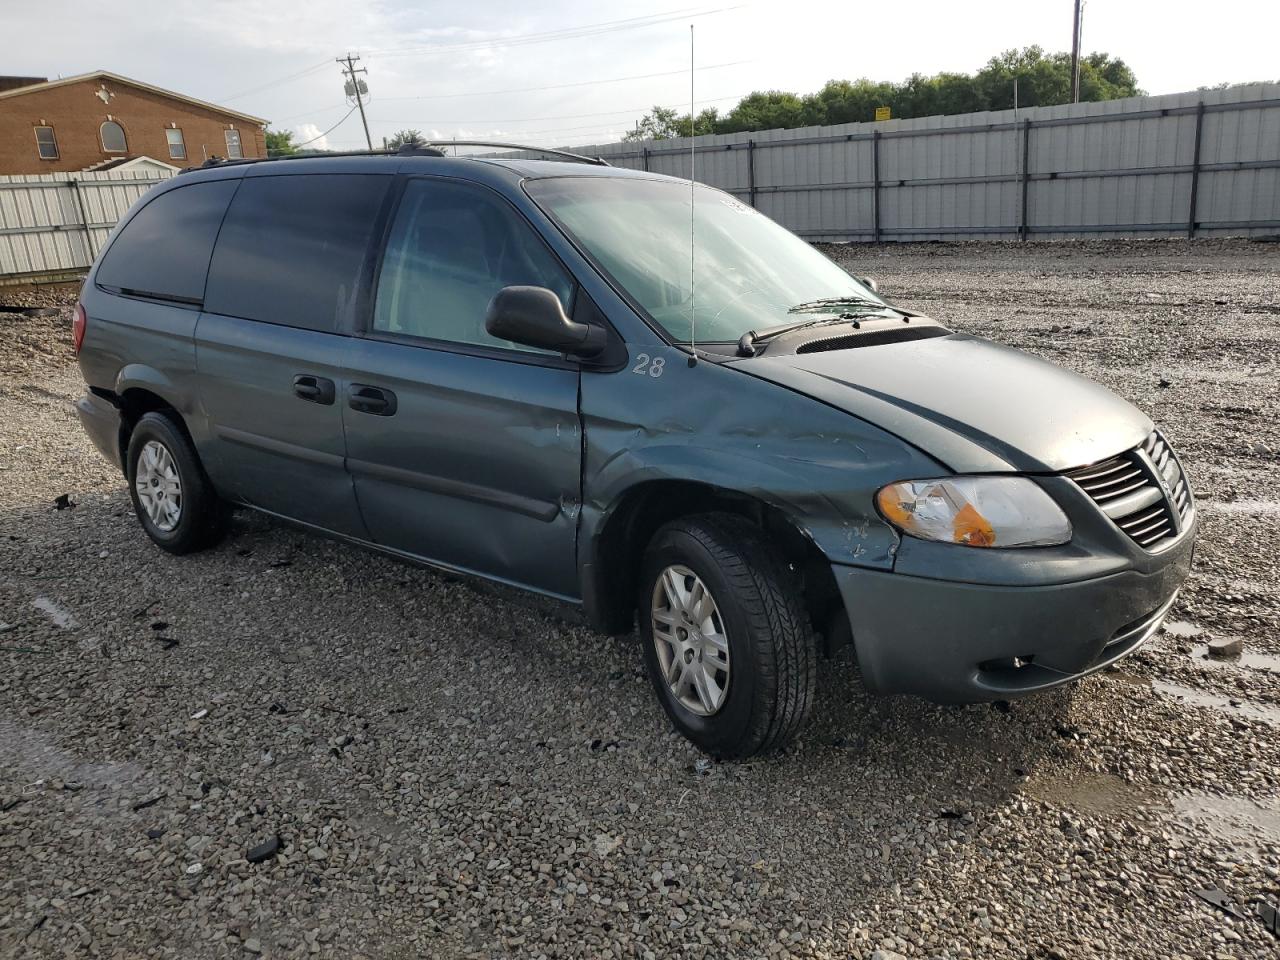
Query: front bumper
{"points": [[101, 421], [956, 642]]}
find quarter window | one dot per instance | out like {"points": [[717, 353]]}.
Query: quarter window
{"points": [[163, 250], [113, 140], [177, 147], [452, 247], [233, 145], [46, 143], [293, 247]]}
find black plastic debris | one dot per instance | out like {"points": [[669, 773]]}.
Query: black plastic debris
{"points": [[160, 625], [1269, 914], [1165, 384], [150, 802], [1219, 899], [265, 850], [63, 502], [946, 813]]}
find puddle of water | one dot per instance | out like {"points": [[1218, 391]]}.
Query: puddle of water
{"points": [[60, 616], [1265, 712], [1266, 508], [1233, 819], [1100, 794], [1182, 628], [1267, 662]]}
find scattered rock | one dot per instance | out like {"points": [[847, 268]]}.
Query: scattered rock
{"points": [[1223, 648]]}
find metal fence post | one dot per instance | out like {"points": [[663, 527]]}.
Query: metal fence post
{"points": [[751, 171], [1026, 175], [875, 186], [1195, 173], [644, 158], [84, 221]]}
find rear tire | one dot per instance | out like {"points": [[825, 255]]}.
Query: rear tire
{"points": [[756, 693], [172, 496]]}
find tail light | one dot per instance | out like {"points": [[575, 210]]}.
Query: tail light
{"points": [[77, 328]]}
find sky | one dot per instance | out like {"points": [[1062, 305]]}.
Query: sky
{"points": [[573, 73]]}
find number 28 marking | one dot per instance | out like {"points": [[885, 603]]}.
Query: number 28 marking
{"points": [[652, 367]]}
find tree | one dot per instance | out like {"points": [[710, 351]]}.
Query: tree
{"points": [[280, 143], [767, 110], [659, 124], [406, 138], [1043, 79]]}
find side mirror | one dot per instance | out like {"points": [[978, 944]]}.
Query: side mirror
{"points": [[869, 283], [534, 317]]}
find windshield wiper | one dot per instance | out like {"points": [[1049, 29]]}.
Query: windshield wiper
{"points": [[831, 302], [748, 341]]}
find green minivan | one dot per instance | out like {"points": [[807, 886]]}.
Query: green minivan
{"points": [[638, 396]]}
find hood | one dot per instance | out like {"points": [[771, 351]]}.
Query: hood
{"points": [[975, 406]]}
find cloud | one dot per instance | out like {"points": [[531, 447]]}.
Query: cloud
{"points": [[308, 131]]}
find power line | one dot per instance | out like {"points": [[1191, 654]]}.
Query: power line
{"points": [[275, 83], [566, 116], [330, 130], [566, 33], [564, 86]]}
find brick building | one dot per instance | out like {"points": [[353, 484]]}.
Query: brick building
{"points": [[82, 122]]}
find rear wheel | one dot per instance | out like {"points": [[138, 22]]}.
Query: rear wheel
{"points": [[726, 640], [173, 498]]}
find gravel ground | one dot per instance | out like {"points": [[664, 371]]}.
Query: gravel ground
{"points": [[452, 771]]}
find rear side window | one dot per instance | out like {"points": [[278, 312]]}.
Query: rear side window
{"points": [[292, 248], [163, 251]]}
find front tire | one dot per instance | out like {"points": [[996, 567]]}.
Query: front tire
{"points": [[727, 643], [172, 496]]}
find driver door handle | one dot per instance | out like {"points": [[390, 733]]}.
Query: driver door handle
{"points": [[373, 400], [314, 389]]}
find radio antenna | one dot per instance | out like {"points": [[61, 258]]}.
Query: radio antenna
{"points": [[693, 146]]}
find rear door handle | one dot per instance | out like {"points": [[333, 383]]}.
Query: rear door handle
{"points": [[375, 400], [315, 389]]}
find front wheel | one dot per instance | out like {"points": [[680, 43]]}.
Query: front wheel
{"points": [[726, 640]]}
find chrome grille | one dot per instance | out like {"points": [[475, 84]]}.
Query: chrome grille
{"points": [[1129, 491]]}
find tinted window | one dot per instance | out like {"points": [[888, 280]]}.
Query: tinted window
{"points": [[452, 247], [164, 250], [292, 248]]}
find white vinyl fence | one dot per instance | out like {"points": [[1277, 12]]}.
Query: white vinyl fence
{"points": [[1192, 164], [53, 224]]}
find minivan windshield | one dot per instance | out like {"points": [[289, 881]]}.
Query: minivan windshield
{"points": [[748, 272]]}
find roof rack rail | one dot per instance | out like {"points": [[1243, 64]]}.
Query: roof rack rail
{"points": [[435, 149], [575, 157]]}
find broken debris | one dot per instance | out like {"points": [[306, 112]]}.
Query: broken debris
{"points": [[1219, 899], [265, 850]]}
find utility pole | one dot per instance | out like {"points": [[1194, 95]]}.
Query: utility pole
{"points": [[350, 72], [1075, 53]]}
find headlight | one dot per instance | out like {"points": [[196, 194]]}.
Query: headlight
{"points": [[975, 511]]}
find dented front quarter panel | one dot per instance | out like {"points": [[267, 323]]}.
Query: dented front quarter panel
{"points": [[712, 424]]}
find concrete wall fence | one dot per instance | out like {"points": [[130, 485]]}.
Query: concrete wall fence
{"points": [[1191, 164], [52, 225]]}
